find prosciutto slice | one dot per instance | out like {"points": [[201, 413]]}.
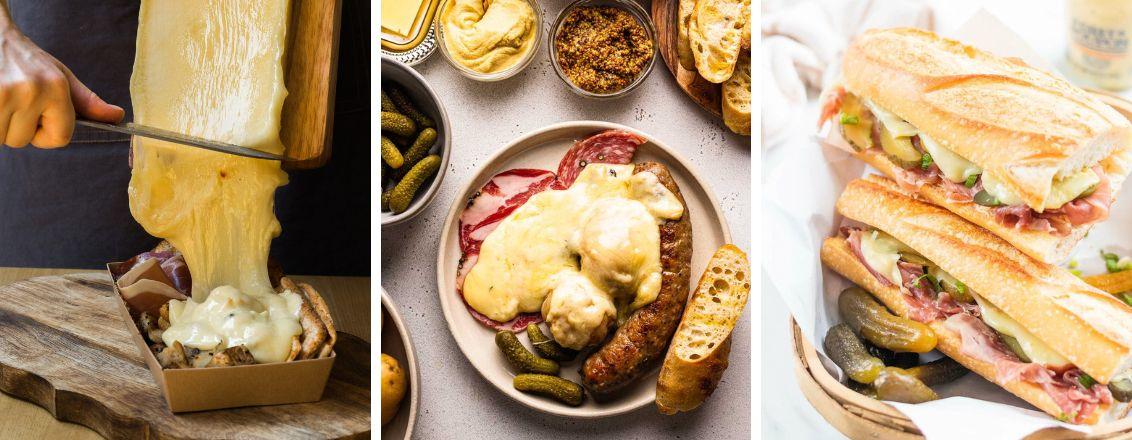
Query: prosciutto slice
{"points": [[979, 341], [509, 190]]}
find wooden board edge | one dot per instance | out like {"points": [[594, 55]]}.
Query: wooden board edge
{"points": [[708, 95]]}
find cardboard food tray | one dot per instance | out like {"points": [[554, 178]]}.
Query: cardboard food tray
{"points": [[201, 389]]}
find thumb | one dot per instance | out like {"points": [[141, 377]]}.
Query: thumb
{"points": [[88, 104]]}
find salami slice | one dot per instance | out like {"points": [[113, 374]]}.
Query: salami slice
{"points": [[610, 146]]}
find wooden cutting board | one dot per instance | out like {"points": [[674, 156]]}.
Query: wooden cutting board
{"points": [[64, 347], [705, 93], [312, 60]]}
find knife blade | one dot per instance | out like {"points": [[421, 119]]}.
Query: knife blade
{"points": [[178, 138]]}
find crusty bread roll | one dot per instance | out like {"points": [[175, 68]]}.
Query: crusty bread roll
{"points": [[1091, 328], [737, 98], [698, 353], [1022, 125]]}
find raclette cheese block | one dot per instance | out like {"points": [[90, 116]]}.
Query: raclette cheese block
{"points": [[211, 69]]}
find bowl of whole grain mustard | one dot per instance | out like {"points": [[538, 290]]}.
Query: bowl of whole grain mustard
{"points": [[603, 48]]}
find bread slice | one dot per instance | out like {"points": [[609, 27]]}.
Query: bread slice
{"points": [[715, 34], [698, 354], [1021, 125], [1089, 327], [836, 254], [737, 98], [683, 46]]}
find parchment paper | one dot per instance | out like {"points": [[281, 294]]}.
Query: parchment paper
{"points": [[802, 180]]}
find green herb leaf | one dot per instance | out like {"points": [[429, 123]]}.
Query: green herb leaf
{"points": [[1126, 297], [1072, 264], [970, 183], [1076, 272], [1111, 262], [925, 161], [849, 119], [1086, 380], [962, 288]]}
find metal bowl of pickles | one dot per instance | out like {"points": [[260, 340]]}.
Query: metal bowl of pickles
{"points": [[415, 142]]}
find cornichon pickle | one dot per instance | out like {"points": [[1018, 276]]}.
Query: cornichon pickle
{"points": [[952, 286], [873, 321], [546, 347], [390, 154], [387, 104], [401, 100], [1121, 388], [897, 385], [553, 387], [892, 358], [398, 124], [939, 371], [866, 389], [522, 359], [385, 200], [848, 352], [402, 194], [418, 150]]}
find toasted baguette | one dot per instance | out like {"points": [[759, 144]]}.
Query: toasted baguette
{"points": [[1021, 125], [737, 98], [1089, 327], [715, 34], [683, 46], [836, 254], [698, 354]]}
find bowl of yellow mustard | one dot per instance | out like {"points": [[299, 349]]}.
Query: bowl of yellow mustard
{"points": [[489, 40]]}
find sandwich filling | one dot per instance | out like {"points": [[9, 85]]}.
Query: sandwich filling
{"points": [[986, 333], [1076, 199]]}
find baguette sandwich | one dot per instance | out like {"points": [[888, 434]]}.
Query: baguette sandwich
{"points": [[1013, 149], [1033, 328]]}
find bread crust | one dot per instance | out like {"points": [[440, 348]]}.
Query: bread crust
{"points": [[1091, 328], [836, 254], [1022, 125], [639, 343]]}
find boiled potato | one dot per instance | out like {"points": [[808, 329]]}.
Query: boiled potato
{"points": [[392, 387]]}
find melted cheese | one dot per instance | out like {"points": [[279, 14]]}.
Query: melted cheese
{"points": [[212, 69], [227, 318], [1033, 347], [604, 228], [881, 252], [1062, 191], [953, 166]]}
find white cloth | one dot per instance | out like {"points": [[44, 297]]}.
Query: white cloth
{"points": [[802, 44]]}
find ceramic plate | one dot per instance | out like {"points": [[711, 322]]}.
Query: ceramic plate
{"points": [[544, 148]]}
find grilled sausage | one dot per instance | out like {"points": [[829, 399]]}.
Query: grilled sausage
{"points": [[640, 343]]}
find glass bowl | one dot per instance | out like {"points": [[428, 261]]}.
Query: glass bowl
{"points": [[494, 76], [637, 12]]}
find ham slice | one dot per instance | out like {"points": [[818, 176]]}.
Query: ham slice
{"points": [[979, 341], [146, 287]]}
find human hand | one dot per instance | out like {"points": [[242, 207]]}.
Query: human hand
{"points": [[39, 96]]}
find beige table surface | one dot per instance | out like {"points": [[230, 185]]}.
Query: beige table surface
{"points": [[348, 298]]}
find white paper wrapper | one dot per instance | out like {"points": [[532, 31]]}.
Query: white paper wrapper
{"points": [[803, 179]]}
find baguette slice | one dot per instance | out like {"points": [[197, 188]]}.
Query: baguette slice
{"points": [[698, 354], [1021, 125], [683, 46], [1089, 327], [836, 254], [715, 32], [737, 98]]}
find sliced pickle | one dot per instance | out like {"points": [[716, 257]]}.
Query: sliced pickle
{"points": [[915, 259], [1121, 388], [860, 133], [985, 198], [959, 291], [899, 149], [1015, 347]]}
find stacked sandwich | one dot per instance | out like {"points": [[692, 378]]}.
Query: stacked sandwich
{"points": [[714, 40], [995, 171]]}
